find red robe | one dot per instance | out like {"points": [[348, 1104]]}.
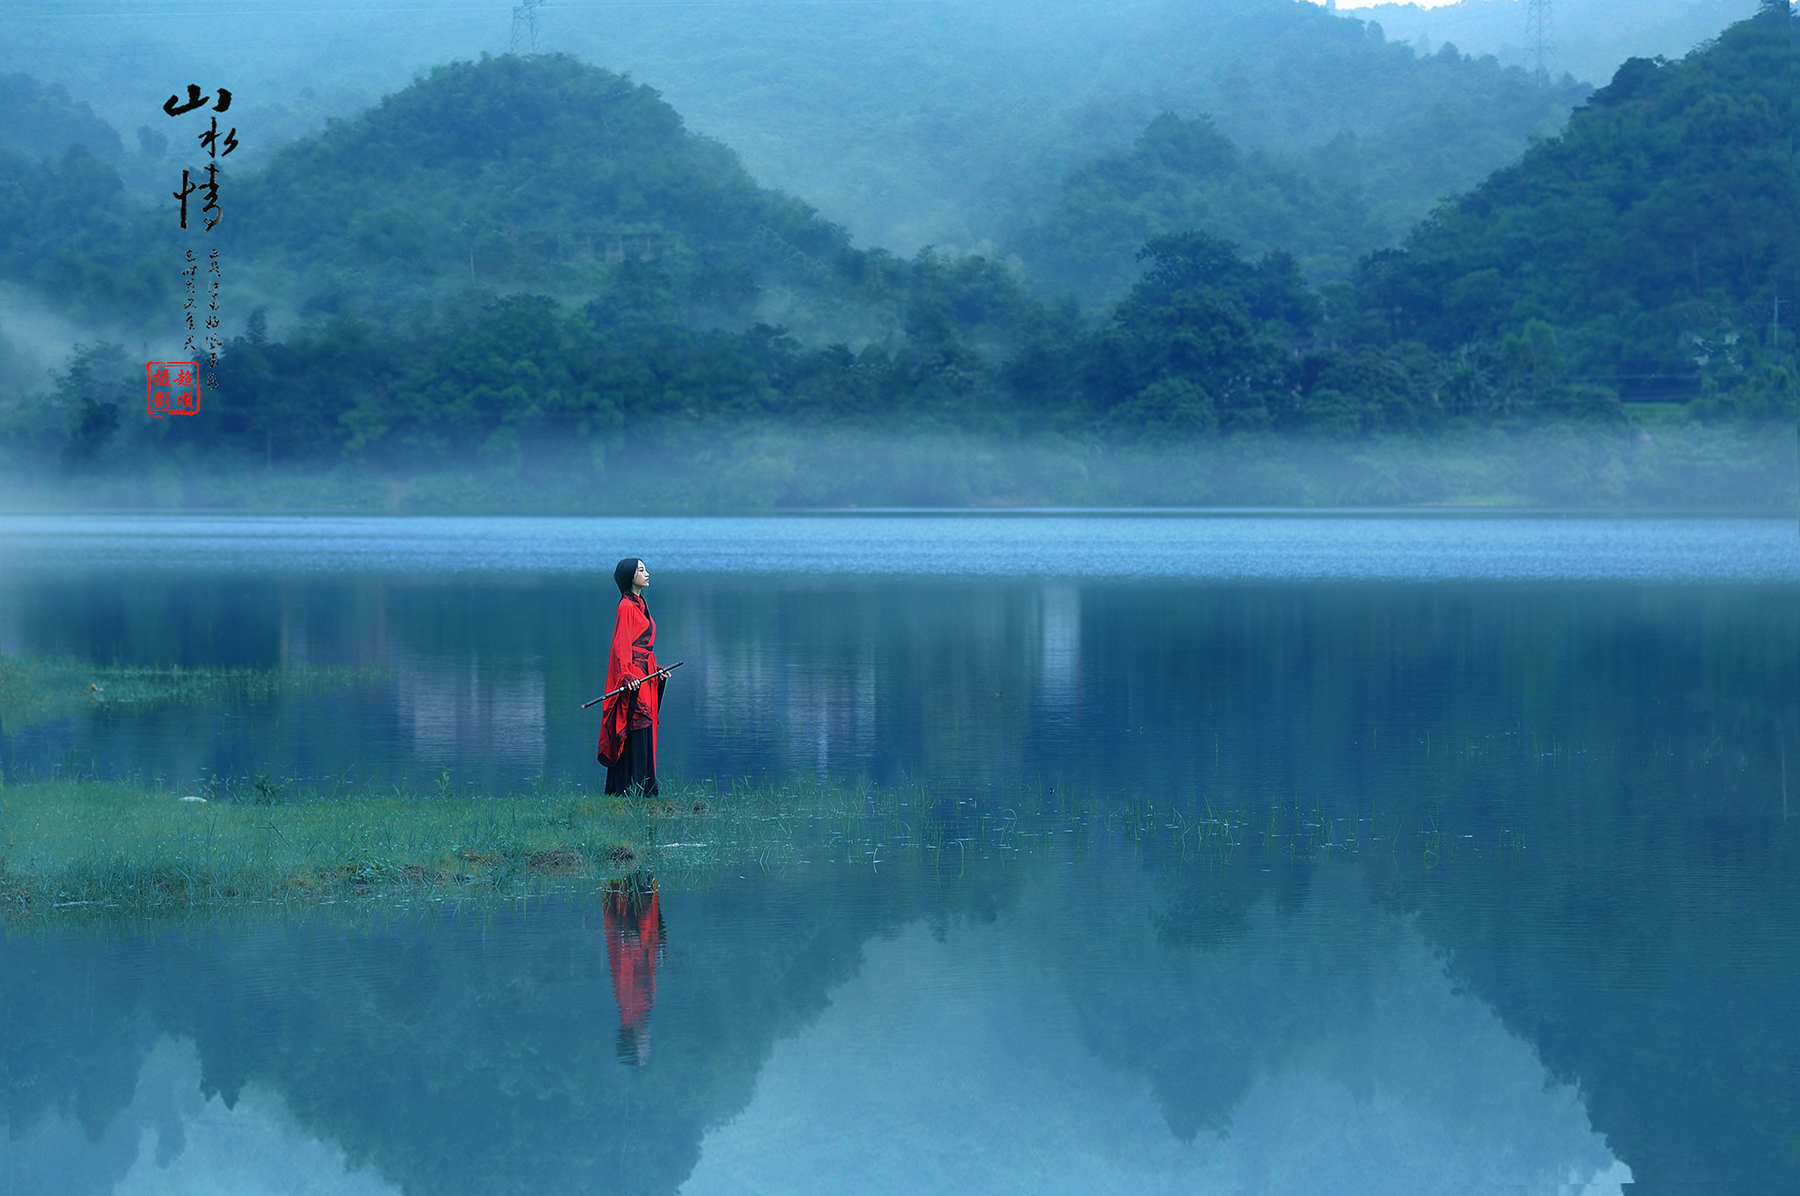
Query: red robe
{"points": [[633, 944], [633, 655]]}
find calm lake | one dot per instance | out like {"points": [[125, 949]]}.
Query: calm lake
{"points": [[1386, 855]]}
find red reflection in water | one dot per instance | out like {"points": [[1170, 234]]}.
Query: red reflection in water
{"points": [[634, 940]]}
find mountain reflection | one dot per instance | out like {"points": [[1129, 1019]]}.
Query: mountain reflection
{"points": [[174, 1139], [1056, 1049], [444, 1053], [823, 1032]]}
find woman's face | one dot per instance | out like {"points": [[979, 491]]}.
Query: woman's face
{"points": [[642, 578]]}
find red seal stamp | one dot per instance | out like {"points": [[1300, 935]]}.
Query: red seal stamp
{"points": [[171, 388]]}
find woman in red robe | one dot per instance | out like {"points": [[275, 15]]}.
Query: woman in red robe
{"points": [[628, 719]]}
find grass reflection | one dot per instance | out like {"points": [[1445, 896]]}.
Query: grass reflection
{"points": [[34, 689]]}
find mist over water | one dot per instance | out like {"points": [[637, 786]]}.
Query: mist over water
{"points": [[774, 468]]}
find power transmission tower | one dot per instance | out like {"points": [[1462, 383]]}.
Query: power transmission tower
{"points": [[1537, 31], [524, 24]]}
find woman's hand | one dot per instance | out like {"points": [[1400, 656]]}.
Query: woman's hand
{"points": [[631, 686]]}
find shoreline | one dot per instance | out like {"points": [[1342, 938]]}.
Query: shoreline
{"points": [[117, 847], [77, 848]]}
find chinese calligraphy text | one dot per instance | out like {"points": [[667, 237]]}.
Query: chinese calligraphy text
{"points": [[217, 145], [215, 149]]}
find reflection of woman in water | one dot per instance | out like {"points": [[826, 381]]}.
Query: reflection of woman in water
{"points": [[634, 937], [628, 719]]}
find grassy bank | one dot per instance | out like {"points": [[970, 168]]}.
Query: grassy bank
{"points": [[82, 843], [72, 844], [85, 847], [90, 845], [1656, 459], [86, 850], [79, 844]]}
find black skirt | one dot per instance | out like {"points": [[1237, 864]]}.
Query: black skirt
{"points": [[636, 765]]}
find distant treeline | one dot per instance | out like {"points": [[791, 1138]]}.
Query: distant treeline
{"points": [[529, 256], [1206, 344]]}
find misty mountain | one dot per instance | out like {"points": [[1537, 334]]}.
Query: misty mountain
{"points": [[1182, 175], [538, 173], [528, 262], [534, 173], [1588, 39], [908, 124], [1645, 248], [46, 122], [949, 123], [71, 233]]}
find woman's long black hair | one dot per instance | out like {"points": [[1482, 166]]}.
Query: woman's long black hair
{"points": [[624, 572]]}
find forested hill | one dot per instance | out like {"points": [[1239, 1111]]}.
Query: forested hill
{"points": [[535, 173], [921, 123], [517, 254], [45, 122], [527, 264], [1646, 248], [539, 173], [910, 124], [949, 123], [1183, 175]]}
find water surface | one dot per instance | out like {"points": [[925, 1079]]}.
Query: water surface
{"points": [[1394, 855]]}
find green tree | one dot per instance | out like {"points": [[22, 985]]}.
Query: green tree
{"points": [[91, 391], [1655, 235]]}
